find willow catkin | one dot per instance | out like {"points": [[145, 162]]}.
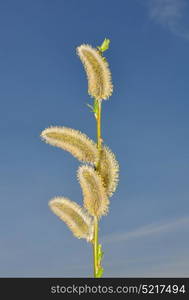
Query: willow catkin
{"points": [[76, 218], [108, 168], [98, 73], [73, 141], [94, 194]]}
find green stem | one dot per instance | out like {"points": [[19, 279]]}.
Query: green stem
{"points": [[95, 246], [99, 145], [99, 139]]}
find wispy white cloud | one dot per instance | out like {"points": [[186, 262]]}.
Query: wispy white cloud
{"points": [[170, 14], [177, 267], [147, 230]]}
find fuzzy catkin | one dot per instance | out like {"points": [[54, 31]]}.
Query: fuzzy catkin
{"points": [[98, 73], [73, 141], [108, 168], [94, 194], [76, 218]]}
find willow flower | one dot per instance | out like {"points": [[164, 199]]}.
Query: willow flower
{"points": [[73, 141], [108, 168], [94, 193], [76, 218], [98, 73]]}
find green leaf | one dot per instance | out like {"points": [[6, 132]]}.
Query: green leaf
{"points": [[91, 107], [95, 107], [104, 46], [99, 258], [100, 253], [99, 272]]}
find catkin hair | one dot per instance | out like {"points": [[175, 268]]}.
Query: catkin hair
{"points": [[94, 194], [108, 168], [73, 141], [98, 73], [76, 217]]}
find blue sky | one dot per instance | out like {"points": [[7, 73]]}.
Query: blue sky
{"points": [[145, 123]]}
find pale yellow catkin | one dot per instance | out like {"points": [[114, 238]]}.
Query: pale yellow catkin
{"points": [[108, 168], [94, 194], [76, 217], [73, 141], [98, 73]]}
